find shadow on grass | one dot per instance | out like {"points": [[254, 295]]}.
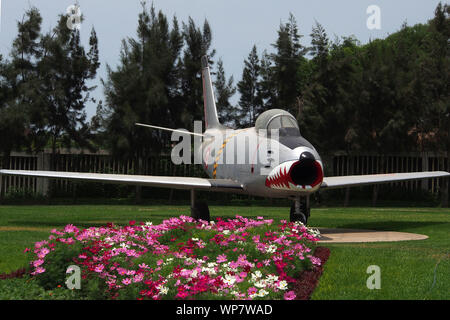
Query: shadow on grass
{"points": [[391, 225]]}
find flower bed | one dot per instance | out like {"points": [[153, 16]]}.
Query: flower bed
{"points": [[179, 259]]}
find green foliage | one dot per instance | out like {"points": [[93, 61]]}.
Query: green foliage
{"points": [[389, 95], [251, 101], [56, 264], [43, 89], [22, 194], [224, 91]]}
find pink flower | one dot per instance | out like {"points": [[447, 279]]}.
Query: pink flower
{"points": [[221, 258], [70, 228], [252, 291], [121, 271], [39, 270], [99, 268], [37, 263], [126, 281], [138, 277], [290, 295], [315, 260]]}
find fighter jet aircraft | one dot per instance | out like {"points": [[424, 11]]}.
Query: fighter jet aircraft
{"points": [[274, 160]]}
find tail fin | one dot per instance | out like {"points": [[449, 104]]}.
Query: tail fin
{"points": [[211, 119]]}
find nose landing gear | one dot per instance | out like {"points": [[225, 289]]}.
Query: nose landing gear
{"points": [[300, 210]]}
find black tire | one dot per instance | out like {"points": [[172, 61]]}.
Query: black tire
{"points": [[200, 211], [302, 216]]}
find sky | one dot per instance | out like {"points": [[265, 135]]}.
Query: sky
{"points": [[236, 25]]}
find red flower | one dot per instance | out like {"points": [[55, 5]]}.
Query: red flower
{"points": [[132, 222]]}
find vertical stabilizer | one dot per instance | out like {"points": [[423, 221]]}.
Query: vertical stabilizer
{"points": [[211, 119]]}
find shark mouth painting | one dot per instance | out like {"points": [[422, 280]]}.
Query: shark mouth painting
{"points": [[298, 175]]}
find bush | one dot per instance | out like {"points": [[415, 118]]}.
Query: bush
{"points": [[179, 259]]}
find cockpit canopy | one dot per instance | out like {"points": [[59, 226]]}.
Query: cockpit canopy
{"points": [[277, 119]]}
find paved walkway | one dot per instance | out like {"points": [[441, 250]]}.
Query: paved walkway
{"points": [[353, 235]]}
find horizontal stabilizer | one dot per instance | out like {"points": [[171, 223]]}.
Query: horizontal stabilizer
{"points": [[362, 180], [169, 129]]}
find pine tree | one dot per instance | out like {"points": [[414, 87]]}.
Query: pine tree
{"points": [[267, 85], [287, 59], [19, 78], [249, 88], [224, 91], [197, 44], [144, 88], [64, 70]]}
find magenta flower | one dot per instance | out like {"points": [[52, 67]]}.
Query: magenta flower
{"points": [[290, 295], [99, 268]]}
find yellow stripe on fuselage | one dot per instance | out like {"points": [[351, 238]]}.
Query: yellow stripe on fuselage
{"points": [[221, 150]]}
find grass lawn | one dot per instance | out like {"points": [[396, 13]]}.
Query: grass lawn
{"points": [[409, 269]]}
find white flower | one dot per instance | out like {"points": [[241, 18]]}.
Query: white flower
{"points": [[148, 224], [262, 293], [229, 280], [209, 270], [282, 285], [226, 232], [163, 290], [194, 239], [271, 249], [260, 284], [212, 264]]}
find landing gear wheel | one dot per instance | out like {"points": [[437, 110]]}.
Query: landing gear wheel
{"points": [[200, 211], [301, 215]]}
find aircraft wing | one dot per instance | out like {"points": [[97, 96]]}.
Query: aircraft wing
{"points": [[150, 181], [362, 180]]}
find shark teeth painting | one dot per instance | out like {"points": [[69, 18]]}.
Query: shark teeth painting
{"points": [[290, 176]]}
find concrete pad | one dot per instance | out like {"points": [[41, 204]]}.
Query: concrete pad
{"points": [[358, 236]]}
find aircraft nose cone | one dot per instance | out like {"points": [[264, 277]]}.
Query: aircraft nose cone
{"points": [[307, 155]]}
